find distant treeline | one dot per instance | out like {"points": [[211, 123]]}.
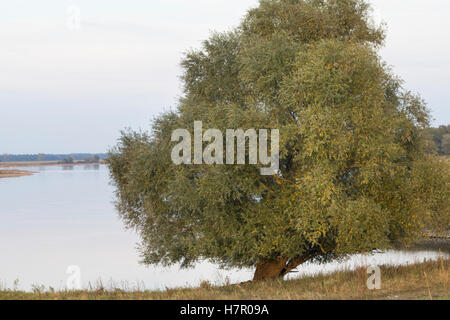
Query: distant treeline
{"points": [[441, 139], [50, 157]]}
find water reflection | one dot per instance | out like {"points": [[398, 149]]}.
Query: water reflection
{"points": [[91, 167]]}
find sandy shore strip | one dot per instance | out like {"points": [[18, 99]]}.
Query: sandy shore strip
{"points": [[15, 173]]}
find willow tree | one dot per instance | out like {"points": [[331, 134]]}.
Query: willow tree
{"points": [[354, 175]]}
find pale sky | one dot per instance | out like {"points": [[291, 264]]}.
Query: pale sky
{"points": [[64, 91]]}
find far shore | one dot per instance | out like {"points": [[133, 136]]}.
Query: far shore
{"points": [[45, 163]]}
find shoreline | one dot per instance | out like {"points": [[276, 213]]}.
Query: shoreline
{"points": [[418, 281], [8, 169]]}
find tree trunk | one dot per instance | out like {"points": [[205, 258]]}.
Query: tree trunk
{"points": [[273, 269], [266, 270]]}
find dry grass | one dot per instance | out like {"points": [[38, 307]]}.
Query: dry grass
{"points": [[429, 280]]}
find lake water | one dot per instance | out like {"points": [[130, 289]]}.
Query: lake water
{"points": [[64, 216]]}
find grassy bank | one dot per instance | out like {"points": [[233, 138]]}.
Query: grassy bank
{"points": [[429, 280]]}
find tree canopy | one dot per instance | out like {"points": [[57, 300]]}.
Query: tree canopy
{"points": [[354, 170]]}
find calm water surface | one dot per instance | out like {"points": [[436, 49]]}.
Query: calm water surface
{"points": [[65, 216]]}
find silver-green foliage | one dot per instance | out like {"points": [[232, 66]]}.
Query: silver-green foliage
{"points": [[354, 171]]}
